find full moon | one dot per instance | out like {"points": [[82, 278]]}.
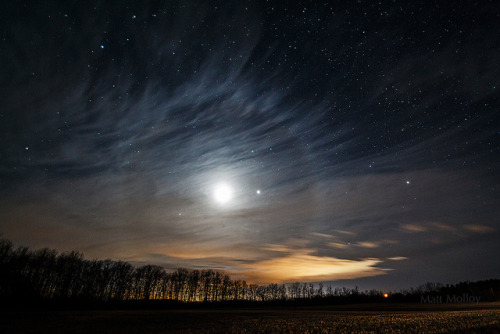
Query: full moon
{"points": [[223, 193]]}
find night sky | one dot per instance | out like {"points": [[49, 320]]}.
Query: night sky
{"points": [[347, 141]]}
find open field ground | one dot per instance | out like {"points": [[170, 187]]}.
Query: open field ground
{"points": [[419, 318]]}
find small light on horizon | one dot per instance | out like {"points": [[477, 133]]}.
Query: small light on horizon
{"points": [[386, 295]]}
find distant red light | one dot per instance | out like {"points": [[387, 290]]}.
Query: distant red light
{"points": [[386, 295]]}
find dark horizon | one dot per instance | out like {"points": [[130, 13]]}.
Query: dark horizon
{"points": [[276, 141]]}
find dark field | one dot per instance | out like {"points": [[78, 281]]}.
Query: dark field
{"points": [[480, 318]]}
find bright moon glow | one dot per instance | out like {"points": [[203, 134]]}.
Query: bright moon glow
{"points": [[223, 193]]}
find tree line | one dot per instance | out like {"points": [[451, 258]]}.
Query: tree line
{"points": [[48, 275], [44, 274]]}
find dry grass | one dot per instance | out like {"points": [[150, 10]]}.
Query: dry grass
{"points": [[305, 320]]}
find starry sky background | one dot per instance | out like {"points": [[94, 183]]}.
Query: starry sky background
{"points": [[370, 129]]}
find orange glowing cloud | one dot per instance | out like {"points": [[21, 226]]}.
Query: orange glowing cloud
{"points": [[338, 245], [301, 265], [413, 228], [277, 263], [367, 244], [479, 228]]}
